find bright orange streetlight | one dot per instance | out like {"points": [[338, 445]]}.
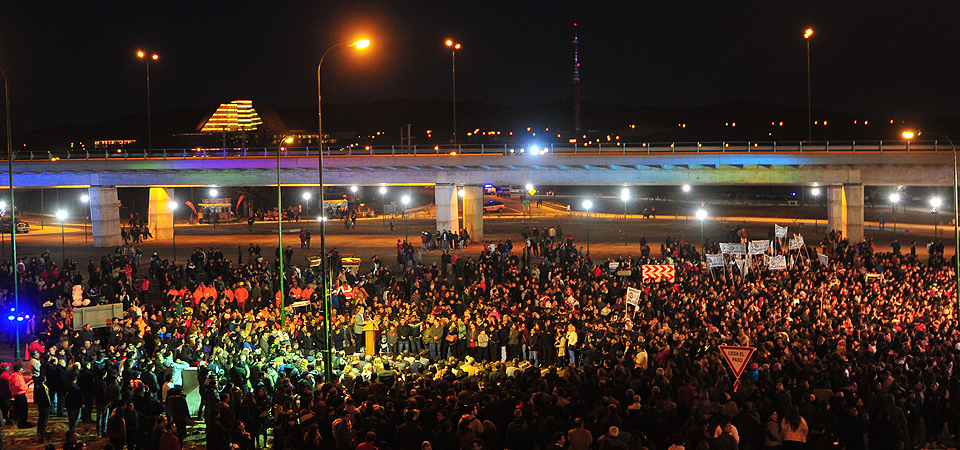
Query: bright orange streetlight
{"points": [[327, 361], [806, 37], [454, 46], [909, 134], [143, 55]]}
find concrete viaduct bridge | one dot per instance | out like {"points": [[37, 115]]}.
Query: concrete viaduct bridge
{"points": [[842, 168]]}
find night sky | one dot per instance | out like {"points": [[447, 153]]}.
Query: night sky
{"points": [[72, 61]]}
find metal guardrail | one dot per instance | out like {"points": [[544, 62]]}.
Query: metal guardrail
{"points": [[644, 148]]}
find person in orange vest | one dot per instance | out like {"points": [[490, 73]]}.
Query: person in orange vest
{"points": [[307, 293], [240, 294], [198, 295], [295, 293], [210, 292], [228, 294]]}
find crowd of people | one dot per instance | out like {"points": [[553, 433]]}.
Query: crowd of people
{"points": [[497, 347]]}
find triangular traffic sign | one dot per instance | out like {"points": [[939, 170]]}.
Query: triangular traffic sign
{"points": [[737, 357]]}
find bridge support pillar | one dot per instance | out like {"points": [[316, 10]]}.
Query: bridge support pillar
{"points": [[447, 214], [473, 212], [159, 216], [105, 216], [845, 210]]}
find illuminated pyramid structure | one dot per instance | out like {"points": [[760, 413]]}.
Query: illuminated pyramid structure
{"points": [[237, 115]]}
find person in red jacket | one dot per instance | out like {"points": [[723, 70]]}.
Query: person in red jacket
{"points": [[18, 390]]}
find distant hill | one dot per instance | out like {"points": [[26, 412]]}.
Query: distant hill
{"points": [[739, 120]]}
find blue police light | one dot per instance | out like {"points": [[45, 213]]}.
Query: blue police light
{"points": [[793, 194], [11, 318], [20, 319], [488, 185]]}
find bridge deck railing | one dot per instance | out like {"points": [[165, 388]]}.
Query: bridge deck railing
{"points": [[647, 148]]}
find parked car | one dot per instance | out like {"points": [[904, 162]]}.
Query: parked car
{"points": [[22, 227], [494, 206], [503, 192]]}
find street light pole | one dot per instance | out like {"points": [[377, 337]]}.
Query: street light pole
{"points": [[327, 361], [702, 215], [406, 232], [283, 306], [453, 49], [143, 55], [383, 207], [806, 36], [13, 210], [587, 204], [61, 216], [306, 199], [816, 193], [625, 196], [894, 198], [86, 217]]}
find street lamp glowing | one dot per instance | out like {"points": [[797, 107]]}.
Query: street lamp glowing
{"points": [[808, 33], [405, 200], [353, 189], [894, 198], [936, 202], [587, 204], [686, 188], [363, 43], [909, 134], [815, 191], [461, 192], [61, 215], [625, 194], [84, 198], [306, 196], [383, 190], [3, 205], [173, 205], [701, 214], [529, 186], [214, 192]]}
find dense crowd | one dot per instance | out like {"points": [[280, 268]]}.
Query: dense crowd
{"points": [[498, 346]]}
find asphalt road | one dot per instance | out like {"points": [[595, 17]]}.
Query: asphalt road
{"points": [[608, 234]]}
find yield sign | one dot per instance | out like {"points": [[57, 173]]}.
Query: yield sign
{"points": [[737, 357]]}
